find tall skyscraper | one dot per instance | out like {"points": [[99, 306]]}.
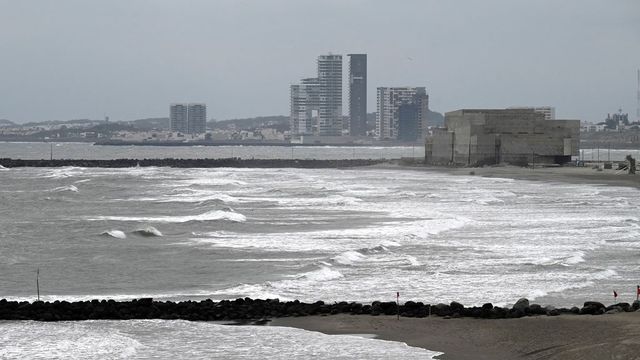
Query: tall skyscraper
{"points": [[178, 117], [316, 103], [188, 118], [390, 99], [197, 118], [357, 94], [304, 106], [330, 95]]}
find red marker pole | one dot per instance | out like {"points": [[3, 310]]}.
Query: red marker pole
{"points": [[398, 303], [637, 292]]}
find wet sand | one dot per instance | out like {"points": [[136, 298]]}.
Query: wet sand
{"points": [[569, 337], [578, 175]]}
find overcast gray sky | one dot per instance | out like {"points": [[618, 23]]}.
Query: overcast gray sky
{"points": [[69, 59]]}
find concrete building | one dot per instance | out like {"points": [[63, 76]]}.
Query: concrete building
{"points": [[178, 117], [188, 118], [304, 106], [330, 95], [316, 103], [390, 99], [197, 118], [357, 94], [492, 136]]}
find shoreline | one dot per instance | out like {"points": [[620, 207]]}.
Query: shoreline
{"points": [[562, 174], [614, 336]]}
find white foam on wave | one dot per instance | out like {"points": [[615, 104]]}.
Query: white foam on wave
{"points": [[214, 215], [349, 257], [148, 231], [2, 168], [412, 260], [388, 234], [118, 234], [179, 339], [576, 258], [70, 188], [325, 273]]}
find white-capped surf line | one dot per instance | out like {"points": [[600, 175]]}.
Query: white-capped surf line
{"points": [[213, 215], [395, 233]]}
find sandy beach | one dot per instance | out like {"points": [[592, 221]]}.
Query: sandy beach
{"points": [[584, 175], [567, 337]]}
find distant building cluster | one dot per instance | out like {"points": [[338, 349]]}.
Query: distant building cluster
{"points": [[316, 105], [188, 118]]}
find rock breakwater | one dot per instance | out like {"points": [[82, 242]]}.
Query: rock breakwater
{"points": [[257, 309], [191, 163]]}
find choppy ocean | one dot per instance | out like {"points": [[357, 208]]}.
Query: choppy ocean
{"points": [[307, 234]]}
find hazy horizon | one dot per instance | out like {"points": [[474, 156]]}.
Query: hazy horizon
{"points": [[74, 59]]}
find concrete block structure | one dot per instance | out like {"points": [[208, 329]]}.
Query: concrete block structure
{"points": [[475, 137]]}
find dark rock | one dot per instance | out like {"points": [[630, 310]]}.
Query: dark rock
{"points": [[522, 304]]}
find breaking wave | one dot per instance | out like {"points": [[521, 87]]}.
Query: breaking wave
{"points": [[71, 188], [115, 234], [148, 231]]}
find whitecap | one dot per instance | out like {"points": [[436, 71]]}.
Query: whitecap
{"points": [[148, 231], [71, 188], [412, 260], [118, 234], [349, 257], [576, 258], [323, 274], [214, 215]]}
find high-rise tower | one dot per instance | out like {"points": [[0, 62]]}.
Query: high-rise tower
{"points": [[357, 94], [330, 95]]}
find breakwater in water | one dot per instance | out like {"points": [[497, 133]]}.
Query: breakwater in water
{"points": [[257, 309], [191, 163]]}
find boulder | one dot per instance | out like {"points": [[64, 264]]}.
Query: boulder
{"points": [[522, 305]]}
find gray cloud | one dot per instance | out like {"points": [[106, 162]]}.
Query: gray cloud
{"points": [[130, 58]]}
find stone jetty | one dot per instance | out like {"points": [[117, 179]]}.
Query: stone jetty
{"points": [[247, 309], [192, 163]]}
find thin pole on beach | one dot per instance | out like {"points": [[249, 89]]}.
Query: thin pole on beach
{"points": [[398, 304], [38, 282]]}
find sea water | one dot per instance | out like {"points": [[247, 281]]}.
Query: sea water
{"points": [[308, 234]]}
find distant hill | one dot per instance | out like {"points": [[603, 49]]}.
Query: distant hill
{"points": [[275, 121], [435, 118], [5, 123], [63, 122], [150, 123]]}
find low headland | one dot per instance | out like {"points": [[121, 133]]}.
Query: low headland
{"points": [[522, 331]]}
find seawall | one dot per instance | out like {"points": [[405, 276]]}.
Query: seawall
{"points": [[191, 163]]}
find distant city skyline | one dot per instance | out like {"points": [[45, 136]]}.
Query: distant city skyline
{"points": [[74, 59]]}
